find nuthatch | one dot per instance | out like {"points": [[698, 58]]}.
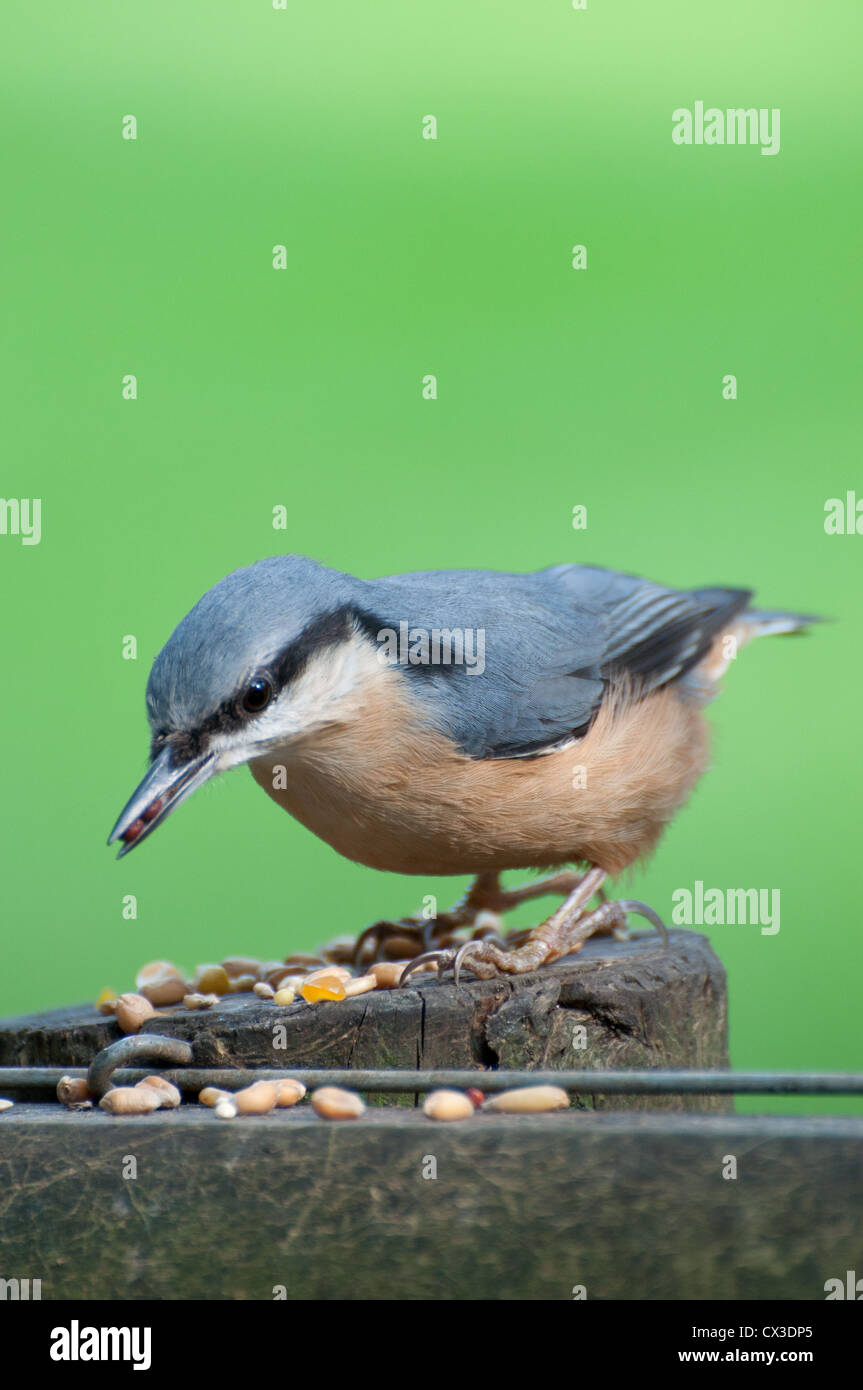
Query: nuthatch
{"points": [[453, 722]]}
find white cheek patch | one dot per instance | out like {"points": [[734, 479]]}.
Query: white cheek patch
{"points": [[328, 691], [329, 685]]}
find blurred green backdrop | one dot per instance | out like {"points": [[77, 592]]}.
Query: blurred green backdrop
{"points": [[302, 387]]}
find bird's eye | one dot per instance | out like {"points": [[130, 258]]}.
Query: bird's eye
{"points": [[257, 695]]}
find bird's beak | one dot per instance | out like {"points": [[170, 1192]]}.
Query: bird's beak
{"points": [[160, 793]]}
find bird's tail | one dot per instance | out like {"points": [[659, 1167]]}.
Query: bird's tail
{"points": [[701, 681], [767, 622]]}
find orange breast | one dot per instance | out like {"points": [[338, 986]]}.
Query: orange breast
{"points": [[389, 792]]}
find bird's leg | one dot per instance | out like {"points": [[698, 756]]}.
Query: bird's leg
{"points": [[563, 933], [485, 897], [487, 894]]}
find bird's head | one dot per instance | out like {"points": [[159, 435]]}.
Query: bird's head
{"points": [[266, 657]]}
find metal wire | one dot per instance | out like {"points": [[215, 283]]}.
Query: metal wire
{"points": [[722, 1083]]}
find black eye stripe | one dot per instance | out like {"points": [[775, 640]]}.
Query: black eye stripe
{"points": [[285, 666]]}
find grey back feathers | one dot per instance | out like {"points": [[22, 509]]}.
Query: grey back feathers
{"points": [[553, 640]]}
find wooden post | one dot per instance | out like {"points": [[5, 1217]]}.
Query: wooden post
{"points": [[614, 1005]]}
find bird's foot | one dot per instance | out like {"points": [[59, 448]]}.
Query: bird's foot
{"points": [[389, 941], [564, 933], [481, 908]]}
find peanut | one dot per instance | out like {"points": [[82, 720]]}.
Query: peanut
{"points": [[332, 1103], [284, 996], [132, 1011], [361, 985], [156, 970], [72, 1090], [448, 1105], [257, 1099], [288, 1093], [226, 1109], [165, 991], [149, 1092], [199, 1001], [5, 1104], [242, 984], [263, 990], [169, 1093], [211, 979], [130, 1100], [387, 973], [528, 1100], [329, 972], [160, 982], [211, 1095], [285, 977]]}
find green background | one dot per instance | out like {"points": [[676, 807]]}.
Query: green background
{"points": [[303, 388]]}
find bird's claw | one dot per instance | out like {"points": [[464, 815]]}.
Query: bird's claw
{"points": [[477, 945], [454, 956], [440, 959], [633, 905]]}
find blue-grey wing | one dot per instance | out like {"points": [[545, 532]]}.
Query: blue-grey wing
{"points": [[551, 642]]}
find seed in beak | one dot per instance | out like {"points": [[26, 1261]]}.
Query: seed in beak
{"points": [[133, 831], [152, 810]]}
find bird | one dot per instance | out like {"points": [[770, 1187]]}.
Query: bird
{"points": [[454, 722]]}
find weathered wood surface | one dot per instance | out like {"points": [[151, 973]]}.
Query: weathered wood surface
{"points": [[638, 1005], [519, 1207]]}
